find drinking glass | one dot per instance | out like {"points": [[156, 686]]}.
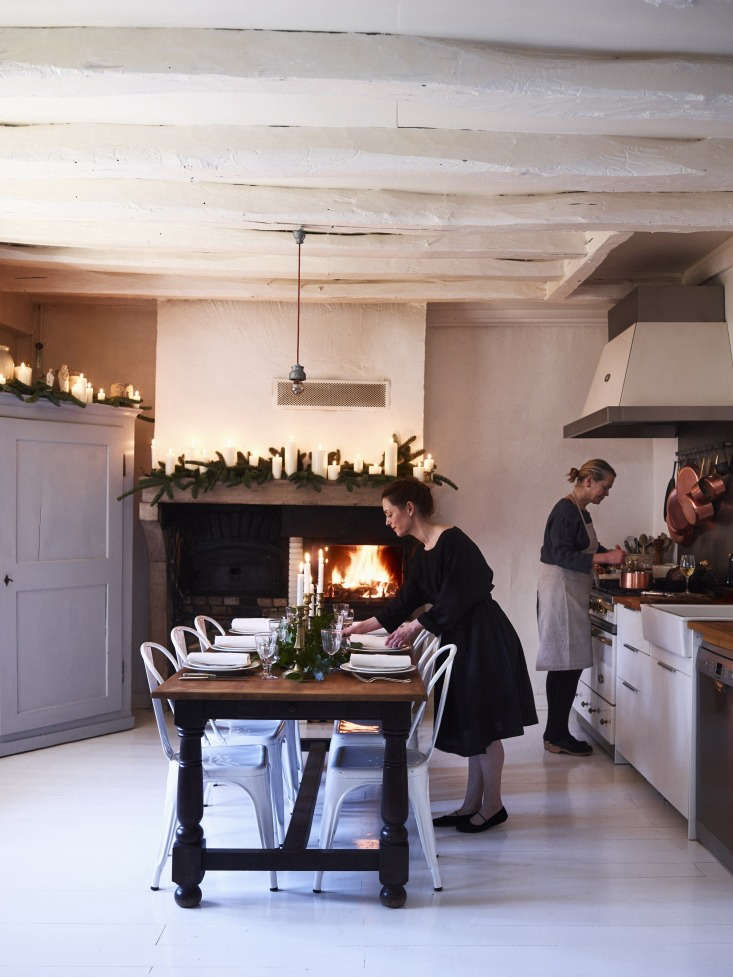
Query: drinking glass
{"points": [[266, 645], [331, 640], [687, 567]]}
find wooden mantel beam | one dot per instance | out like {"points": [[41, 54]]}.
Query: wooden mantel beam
{"points": [[209, 77]]}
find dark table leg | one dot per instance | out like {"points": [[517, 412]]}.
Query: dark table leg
{"points": [[187, 851], [394, 851]]}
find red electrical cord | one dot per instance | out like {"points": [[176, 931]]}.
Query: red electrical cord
{"points": [[297, 334]]}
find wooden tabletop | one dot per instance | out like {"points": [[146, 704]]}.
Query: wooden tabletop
{"points": [[336, 687], [718, 633]]}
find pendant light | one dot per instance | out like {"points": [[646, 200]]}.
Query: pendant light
{"points": [[297, 373]]}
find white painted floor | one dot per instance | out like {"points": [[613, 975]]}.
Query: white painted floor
{"points": [[592, 875]]}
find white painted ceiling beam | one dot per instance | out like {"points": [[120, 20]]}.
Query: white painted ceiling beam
{"points": [[217, 205], [54, 282], [715, 263], [175, 77], [600, 245], [344, 267], [419, 160]]}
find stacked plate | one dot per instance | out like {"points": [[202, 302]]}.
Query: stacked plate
{"points": [[220, 662], [376, 664], [251, 625]]}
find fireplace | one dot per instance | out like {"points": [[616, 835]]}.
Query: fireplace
{"points": [[240, 559]]}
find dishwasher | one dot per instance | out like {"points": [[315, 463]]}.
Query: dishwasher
{"points": [[714, 752]]}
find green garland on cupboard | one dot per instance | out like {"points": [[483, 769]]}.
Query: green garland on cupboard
{"points": [[187, 476], [40, 390]]}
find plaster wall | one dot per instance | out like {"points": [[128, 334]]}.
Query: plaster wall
{"points": [[497, 398], [216, 362], [18, 316], [112, 342]]}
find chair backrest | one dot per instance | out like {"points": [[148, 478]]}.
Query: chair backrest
{"points": [[154, 680], [444, 671], [178, 638], [426, 661], [200, 622]]}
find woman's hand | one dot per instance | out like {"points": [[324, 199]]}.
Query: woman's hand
{"points": [[361, 627], [404, 635], [614, 557]]}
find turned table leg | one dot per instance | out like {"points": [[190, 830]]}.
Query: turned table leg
{"points": [[188, 849], [393, 846]]}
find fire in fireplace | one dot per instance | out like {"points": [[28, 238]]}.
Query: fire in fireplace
{"points": [[365, 572]]}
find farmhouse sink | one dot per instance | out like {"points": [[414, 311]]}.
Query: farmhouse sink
{"points": [[665, 625]]}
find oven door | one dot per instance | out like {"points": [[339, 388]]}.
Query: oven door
{"points": [[601, 676]]}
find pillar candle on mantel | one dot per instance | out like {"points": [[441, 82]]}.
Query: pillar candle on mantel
{"points": [[291, 457], [230, 454], [429, 463], [153, 454], [89, 393], [78, 387], [418, 472], [299, 587], [170, 462], [333, 472], [375, 469], [24, 374], [319, 584], [318, 461], [358, 465], [101, 395], [390, 459], [277, 467]]}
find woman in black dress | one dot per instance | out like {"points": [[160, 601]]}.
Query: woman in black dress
{"points": [[490, 696]]}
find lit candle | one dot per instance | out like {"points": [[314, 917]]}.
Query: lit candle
{"points": [[308, 576], [320, 572], [230, 454], [390, 459], [153, 454], [79, 388], [253, 459], [101, 395], [136, 397], [277, 466], [89, 393], [358, 464], [24, 374], [204, 457], [299, 587], [291, 457], [418, 472], [170, 462], [429, 463], [318, 461], [375, 469], [333, 472], [2, 378]]}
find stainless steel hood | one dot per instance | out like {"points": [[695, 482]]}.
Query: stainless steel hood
{"points": [[656, 377]]}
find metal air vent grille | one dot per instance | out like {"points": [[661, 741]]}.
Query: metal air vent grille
{"points": [[334, 394]]}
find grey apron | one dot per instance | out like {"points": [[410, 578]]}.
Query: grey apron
{"points": [[562, 613]]}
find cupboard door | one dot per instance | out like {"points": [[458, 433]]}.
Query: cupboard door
{"points": [[629, 720], [671, 718], [61, 538]]}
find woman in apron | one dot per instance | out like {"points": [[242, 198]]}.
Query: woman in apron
{"points": [[569, 551]]}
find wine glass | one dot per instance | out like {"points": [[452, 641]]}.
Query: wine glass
{"points": [[331, 641], [687, 568], [266, 645]]}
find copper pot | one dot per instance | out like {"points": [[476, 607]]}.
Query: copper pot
{"points": [[635, 579], [713, 484]]}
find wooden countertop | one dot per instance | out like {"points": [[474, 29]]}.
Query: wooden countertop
{"points": [[336, 687], [718, 633], [634, 601]]}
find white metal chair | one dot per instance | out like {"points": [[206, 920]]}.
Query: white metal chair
{"points": [[246, 767], [357, 766], [294, 763], [365, 733], [269, 733]]}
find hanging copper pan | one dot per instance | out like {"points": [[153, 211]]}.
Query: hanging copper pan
{"points": [[713, 484], [687, 477], [675, 517]]}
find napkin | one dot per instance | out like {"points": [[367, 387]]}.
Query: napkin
{"points": [[240, 642], [250, 625], [219, 658], [370, 641], [382, 662]]}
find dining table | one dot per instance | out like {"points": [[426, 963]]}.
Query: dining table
{"points": [[250, 696]]}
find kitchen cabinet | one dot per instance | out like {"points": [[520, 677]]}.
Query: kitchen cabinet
{"points": [[65, 572]]}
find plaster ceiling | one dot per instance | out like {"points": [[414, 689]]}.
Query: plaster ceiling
{"points": [[428, 163]]}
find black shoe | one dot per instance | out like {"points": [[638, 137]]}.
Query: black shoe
{"points": [[569, 745], [469, 828], [451, 820]]}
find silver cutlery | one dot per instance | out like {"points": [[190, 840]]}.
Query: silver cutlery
{"points": [[381, 678]]}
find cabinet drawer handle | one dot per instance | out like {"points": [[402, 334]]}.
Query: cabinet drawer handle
{"points": [[585, 704], [628, 686], [667, 668], [637, 651], [604, 722], [591, 710], [7, 580]]}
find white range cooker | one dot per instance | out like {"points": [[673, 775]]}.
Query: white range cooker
{"points": [[595, 700]]}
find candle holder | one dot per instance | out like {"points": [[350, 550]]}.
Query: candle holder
{"points": [[299, 643]]}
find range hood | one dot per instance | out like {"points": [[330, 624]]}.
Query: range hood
{"points": [[655, 376]]}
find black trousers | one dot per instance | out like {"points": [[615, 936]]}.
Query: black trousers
{"points": [[561, 688]]}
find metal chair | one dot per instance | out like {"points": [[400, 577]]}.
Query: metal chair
{"points": [[360, 765], [245, 766]]}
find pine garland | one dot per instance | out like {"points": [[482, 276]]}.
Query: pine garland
{"points": [[186, 476], [40, 390]]}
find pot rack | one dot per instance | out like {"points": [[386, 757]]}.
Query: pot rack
{"points": [[703, 449]]}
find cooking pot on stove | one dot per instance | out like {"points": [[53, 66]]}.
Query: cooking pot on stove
{"points": [[635, 579]]}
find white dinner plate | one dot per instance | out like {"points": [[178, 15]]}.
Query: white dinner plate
{"points": [[404, 670], [222, 668], [362, 650]]}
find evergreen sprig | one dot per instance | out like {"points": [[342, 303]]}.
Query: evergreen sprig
{"points": [[40, 390]]}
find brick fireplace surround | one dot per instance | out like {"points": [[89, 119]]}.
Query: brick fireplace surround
{"points": [[334, 513]]}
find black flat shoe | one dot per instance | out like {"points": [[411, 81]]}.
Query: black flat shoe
{"points": [[469, 828], [571, 746], [451, 820]]}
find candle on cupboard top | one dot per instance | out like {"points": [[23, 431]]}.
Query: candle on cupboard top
{"points": [[358, 464], [277, 466]]}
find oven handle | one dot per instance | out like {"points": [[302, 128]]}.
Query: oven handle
{"points": [[637, 651], [628, 685], [599, 636]]}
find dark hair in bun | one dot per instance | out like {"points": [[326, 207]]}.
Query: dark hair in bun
{"points": [[404, 490]]}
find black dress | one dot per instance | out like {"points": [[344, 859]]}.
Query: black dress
{"points": [[490, 695]]}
